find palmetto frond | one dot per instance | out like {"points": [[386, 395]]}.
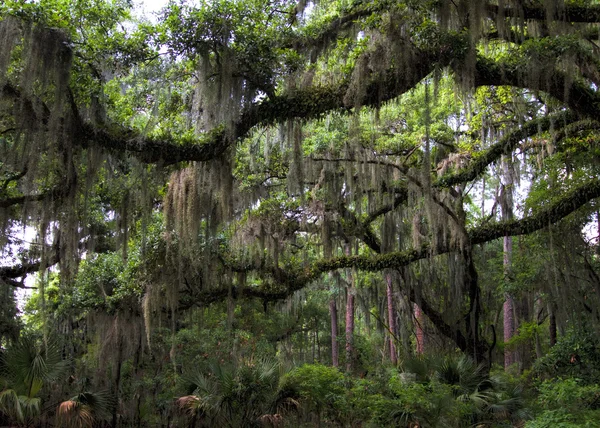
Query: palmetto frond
{"points": [[73, 414], [237, 396], [84, 410]]}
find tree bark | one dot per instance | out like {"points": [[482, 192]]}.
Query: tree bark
{"points": [[419, 330], [115, 410], [350, 318], [509, 329], [350, 330], [508, 307], [391, 319], [552, 326], [333, 313]]}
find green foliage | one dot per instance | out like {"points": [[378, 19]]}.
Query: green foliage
{"points": [[106, 282], [445, 392], [236, 396], [85, 409], [567, 403], [147, 305], [25, 367], [576, 354], [321, 387]]}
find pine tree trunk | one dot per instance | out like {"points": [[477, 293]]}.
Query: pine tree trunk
{"points": [[317, 340], [391, 319], [598, 231], [508, 307], [115, 410], [349, 318], [334, 329], [420, 332], [350, 329], [552, 327]]}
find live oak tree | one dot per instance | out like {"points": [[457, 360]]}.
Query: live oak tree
{"points": [[261, 150]]}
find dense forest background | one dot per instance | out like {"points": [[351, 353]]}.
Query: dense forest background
{"points": [[300, 213]]}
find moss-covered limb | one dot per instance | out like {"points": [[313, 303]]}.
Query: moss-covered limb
{"points": [[218, 295], [575, 128], [411, 177], [16, 284], [503, 147], [580, 97], [589, 14], [50, 195], [315, 101], [309, 103], [555, 211], [19, 270], [306, 103], [401, 197], [336, 27], [352, 226], [291, 280], [153, 150], [12, 177]]}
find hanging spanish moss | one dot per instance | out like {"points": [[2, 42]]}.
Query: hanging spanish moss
{"points": [[221, 93]]}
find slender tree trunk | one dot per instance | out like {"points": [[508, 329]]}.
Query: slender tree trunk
{"points": [[509, 305], [598, 231], [419, 330], [391, 319], [350, 318], [552, 327], [334, 329], [350, 329], [117, 382], [483, 197], [314, 347], [317, 340]]}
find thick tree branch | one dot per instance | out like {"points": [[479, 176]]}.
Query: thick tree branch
{"points": [[588, 14], [291, 281], [503, 147], [19, 271], [574, 93], [16, 284], [25, 199]]}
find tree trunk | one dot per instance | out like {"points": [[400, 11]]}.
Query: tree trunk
{"points": [[552, 327], [350, 329], [420, 332], [598, 231], [334, 329], [391, 319], [350, 318], [508, 306], [115, 415]]}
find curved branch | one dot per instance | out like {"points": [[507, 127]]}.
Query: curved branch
{"points": [[574, 93], [19, 271], [503, 147], [24, 199], [589, 14], [294, 280]]}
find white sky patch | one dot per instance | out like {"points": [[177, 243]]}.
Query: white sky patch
{"points": [[23, 237], [149, 8]]}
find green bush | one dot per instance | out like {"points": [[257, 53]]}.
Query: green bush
{"points": [[576, 354], [567, 403], [321, 389]]}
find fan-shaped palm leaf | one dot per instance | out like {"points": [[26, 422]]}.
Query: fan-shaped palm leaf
{"points": [[85, 409]]}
